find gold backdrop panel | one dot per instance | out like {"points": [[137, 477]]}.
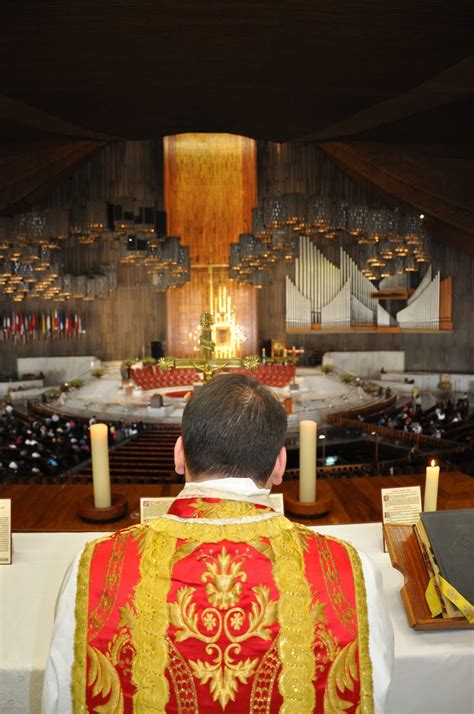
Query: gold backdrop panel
{"points": [[209, 190], [185, 305]]}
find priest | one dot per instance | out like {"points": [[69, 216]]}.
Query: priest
{"points": [[221, 605]]}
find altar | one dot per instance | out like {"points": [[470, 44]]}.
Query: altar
{"points": [[433, 672]]}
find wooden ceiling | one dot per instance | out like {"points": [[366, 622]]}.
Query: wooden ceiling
{"points": [[370, 81]]}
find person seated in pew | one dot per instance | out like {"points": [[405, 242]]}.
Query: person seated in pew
{"points": [[222, 604]]}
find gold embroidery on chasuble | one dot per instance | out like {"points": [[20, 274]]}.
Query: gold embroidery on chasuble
{"points": [[342, 607], [151, 623], [106, 602], [264, 682], [95, 670], [78, 690], [222, 624], [366, 705], [225, 668], [297, 631], [352, 663], [183, 682], [227, 509]]}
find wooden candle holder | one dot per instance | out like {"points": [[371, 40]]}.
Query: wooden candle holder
{"points": [[116, 510], [319, 507]]}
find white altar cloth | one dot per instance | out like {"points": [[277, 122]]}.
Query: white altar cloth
{"points": [[433, 674]]}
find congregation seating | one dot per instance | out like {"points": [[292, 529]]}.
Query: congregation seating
{"points": [[146, 458]]}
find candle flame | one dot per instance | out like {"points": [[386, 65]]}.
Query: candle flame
{"points": [[433, 462]]}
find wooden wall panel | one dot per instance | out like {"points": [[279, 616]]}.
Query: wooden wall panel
{"points": [[124, 324], [303, 167], [209, 193]]}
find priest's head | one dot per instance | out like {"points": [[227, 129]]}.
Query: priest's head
{"points": [[233, 427]]}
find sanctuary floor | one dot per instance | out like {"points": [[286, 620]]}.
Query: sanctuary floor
{"points": [[316, 396]]}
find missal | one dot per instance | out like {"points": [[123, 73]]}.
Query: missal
{"points": [[446, 540]]}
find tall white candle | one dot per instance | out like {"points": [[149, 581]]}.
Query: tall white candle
{"points": [[431, 487], [308, 461], [100, 465]]}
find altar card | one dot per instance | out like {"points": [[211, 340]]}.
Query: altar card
{"points": [[152, 508], [5, 531], [401, 506]]}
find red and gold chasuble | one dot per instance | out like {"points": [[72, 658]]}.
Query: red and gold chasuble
{"points": [[221, 605]]}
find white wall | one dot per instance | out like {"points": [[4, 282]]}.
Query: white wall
{"points": [[366, 364], [57, 370]]}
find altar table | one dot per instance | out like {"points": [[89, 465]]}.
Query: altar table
{"points": [[433, 674]]}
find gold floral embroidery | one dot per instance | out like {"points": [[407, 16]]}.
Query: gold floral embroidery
{"points": [[103, 678], [223, 578], [264, 681], [78, 689], [200, 532], [366, 705], [151, 624], [275, 537], [296, 640], [183, 683], [341, 677], [106, 601], [227, 509], [226, 578], [342, 607]]}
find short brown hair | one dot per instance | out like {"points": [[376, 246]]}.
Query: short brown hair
{"points": [[233, 426]]}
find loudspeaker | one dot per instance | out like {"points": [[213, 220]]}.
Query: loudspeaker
{"points": [[157, 351], [160, 223]]}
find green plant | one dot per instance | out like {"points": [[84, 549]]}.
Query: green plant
{"points": [[128, 362], [347, 378], [52, 393], [327, 369], [148, 360], [76, 383], [99, 372]]}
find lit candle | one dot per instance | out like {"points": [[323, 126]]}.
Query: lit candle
{"points": [[431, 487], [308, 461], [100, 465]]}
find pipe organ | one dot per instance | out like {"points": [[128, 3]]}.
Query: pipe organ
{"points": [[298, 307], [422, 311], [326, 296]]}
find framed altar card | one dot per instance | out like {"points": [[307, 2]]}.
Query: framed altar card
{"points": [[5, 531], [401, 506], [152, 508]]}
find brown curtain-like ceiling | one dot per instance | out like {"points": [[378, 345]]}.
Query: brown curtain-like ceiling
{"points": [[386, 88]]}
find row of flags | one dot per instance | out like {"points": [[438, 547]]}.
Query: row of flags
{"points": [[30, 325]]}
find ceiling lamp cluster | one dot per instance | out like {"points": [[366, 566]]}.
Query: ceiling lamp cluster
{"points": [[391, 241], [394, 244], [31, 261], [32, 250], [140, 233]]}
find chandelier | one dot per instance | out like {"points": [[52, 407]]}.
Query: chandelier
{"points": [[389, 241], [32, 263]]}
